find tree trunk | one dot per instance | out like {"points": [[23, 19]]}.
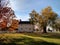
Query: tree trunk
{"points": [[44, 29]]}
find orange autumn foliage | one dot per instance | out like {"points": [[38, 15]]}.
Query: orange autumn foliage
{"points": [[6, 16], [14, 25], [7, 21], [3, 25]]}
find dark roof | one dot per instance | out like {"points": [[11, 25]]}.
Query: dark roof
{"points": [[24, 22]]}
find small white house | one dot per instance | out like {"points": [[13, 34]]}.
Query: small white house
{"points": [[50, 29]]}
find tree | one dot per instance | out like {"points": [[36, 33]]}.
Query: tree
{"points": [[14, 25], [6, 14], [33, 17], [47, 16]]}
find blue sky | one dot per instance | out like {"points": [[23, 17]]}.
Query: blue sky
{"points": [[22, 8]]}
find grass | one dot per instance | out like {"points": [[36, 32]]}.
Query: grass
{"points": [[30, 39]]}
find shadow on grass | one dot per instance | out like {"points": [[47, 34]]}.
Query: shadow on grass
{"points": [[53, 35], [47, 35], [24, 41]]}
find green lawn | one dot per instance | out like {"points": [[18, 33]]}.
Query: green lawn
{"points": [[30, 39]]}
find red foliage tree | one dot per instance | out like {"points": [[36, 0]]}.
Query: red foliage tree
{"points": [[6, 15]]}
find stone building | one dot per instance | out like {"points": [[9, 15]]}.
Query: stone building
{"points": [[25, 26]]}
